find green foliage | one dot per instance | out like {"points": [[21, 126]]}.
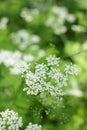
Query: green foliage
{"points": [[46, 28]]}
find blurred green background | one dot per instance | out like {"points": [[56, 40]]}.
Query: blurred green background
{"points": [[36, 29]]}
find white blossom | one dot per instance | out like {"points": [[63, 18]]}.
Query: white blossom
{"points": [[9, 120], [3, 23], [75, 92], [23, 39], [71, 18], [28, 57], [29, 14], [33, 127], [48, 77], [52, 60], [19, 67], [78, 28], [16, 61], [71, 69], [60, 29], [57, 18], [59, 10]]}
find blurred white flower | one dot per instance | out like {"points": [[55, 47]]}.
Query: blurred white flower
{"points": [[3, 23], [50, 21], [41, 53], [16, 61], [28, 57], [35, 39], [60, 11], [19, 67], [60, 30], [26, 15], [75, 92], [57, 18], [33, 127], [71, 18], [9, 57], [29, 14], [23, 39], [35, 47], [78, 28]]}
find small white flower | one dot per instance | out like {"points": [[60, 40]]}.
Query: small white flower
{"points": [[71, 69], [33, 127], [52, 60], [16, 61], [35, 39], [23, 39], [60, 29], [75, 92], [29, 14], [71, 18], [3, 23], [57, 18], [19, 67], [28, 57], [60, 11], [10, 120], [78, 28]]}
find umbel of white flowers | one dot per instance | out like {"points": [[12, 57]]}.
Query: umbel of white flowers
{"points": [[48, 77], [33, 127], [9, 120]]}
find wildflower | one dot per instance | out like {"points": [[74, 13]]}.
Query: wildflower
{"points": [[48, 77], [10, 120], [23, 39], [75, 92], [19, 67], [78, 28], [3, 23], [71, 69], [29, 14], [16, 61], [53, 60], [33, 127], [57, 18]]}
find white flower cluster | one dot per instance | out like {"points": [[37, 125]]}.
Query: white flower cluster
{"points": [[16, 61], [78, 28], [53, 60], [71, 69], [9, 120], [48, 77], [3, 23], [23, 39], [29, 14], [33, 127], [57, 19]]}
